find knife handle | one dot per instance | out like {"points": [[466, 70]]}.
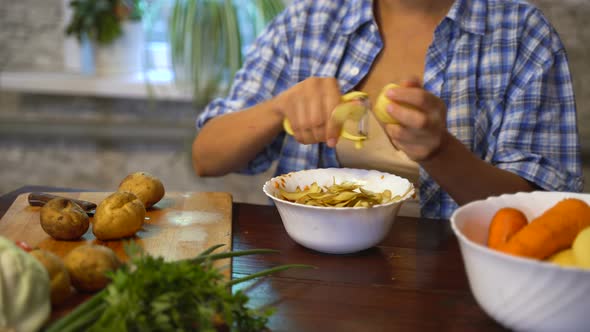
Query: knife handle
{"points": [[39, 199]]}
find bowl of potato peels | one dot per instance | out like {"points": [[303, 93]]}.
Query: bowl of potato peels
{"points": [[527, 258], [338, 210]]}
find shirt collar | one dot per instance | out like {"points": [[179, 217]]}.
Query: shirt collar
{"points": [[355, 14], [469, 14]]}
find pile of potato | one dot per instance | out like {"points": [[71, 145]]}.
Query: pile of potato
{"points": [[118, 216], [84, 268]]}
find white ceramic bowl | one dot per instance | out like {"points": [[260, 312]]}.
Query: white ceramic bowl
{"points": [[338, 230], [521, 294]]}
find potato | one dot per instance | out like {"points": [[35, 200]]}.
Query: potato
{"points": [[61, 286], [63, 219], [88, 264], [383, 101], [381, 105], [581, 248], [148, 188], [119, 215], [564, 258]]}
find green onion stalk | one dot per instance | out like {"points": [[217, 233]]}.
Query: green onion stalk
{"points": [[151, 294]]}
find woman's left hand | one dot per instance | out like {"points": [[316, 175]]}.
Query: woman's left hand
{"points": [[421, 128]]}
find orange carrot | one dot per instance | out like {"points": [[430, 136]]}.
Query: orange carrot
{"points": [[505, 223], [551, 232]]}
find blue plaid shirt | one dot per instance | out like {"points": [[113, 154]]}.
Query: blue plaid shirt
{"points": [[499, 66]]}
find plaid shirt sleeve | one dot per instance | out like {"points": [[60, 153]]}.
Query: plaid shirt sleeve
{"points": [[264, 74], [538, 138]]}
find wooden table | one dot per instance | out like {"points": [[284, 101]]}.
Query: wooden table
{"points": [[413, 281]]}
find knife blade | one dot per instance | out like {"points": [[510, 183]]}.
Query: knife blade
{"points": [[40, 199]]}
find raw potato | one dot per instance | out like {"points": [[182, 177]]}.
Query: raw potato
{"points": [[61, 286], [119, 215], [564, 258], [63, 219], [146, 186], [581, 248], [87, 265]]}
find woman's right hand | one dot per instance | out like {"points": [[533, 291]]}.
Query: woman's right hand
{"points": [[308, 106]]}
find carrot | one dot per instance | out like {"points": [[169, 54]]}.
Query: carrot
{"points": [[551, 232], [505, 223]]}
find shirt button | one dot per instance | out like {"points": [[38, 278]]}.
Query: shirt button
{"points": [[373, 28], [354, 71]]}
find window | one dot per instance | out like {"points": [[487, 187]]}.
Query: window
{"points": [[156, 53], [156, 24]]}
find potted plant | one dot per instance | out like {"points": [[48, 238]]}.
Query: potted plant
{"points": [[110, 33], [208, 39]]}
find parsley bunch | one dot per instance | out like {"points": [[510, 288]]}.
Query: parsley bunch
{"points": [[151, 294]]}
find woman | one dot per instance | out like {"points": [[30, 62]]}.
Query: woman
{"points": [[495, 112]]}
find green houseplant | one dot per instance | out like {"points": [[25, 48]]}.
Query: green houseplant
{"points": [[208, 39], [110, 33], [101, 20]]}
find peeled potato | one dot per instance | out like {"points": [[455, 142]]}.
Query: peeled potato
{"points": [[88, 264], [343, 112], [348, 111], [581, 248], [119, 215], [382, 102], [147, 187], [61, 287], [564, 258]]}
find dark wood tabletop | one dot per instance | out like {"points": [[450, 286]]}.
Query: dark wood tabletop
{"points": [[414, 280]]}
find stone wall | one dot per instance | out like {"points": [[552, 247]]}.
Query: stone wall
{"points": [[87, 142], [91, 143], [31, 32]]}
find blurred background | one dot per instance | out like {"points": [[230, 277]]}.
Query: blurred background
{"points": [[87, 97]]}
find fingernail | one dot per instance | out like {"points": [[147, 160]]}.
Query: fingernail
{"points": [[389, 108], [390, 93], [332, 142]]}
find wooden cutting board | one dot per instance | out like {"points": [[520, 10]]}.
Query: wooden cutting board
{"points": [[180, 226]]}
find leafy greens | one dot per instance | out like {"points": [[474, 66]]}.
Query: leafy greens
{"points": [[151, 294]]}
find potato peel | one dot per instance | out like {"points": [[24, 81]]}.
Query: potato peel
{"points": [[345, 194]]}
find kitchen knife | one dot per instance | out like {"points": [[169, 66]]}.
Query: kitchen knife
{"points": [[39, 199]]}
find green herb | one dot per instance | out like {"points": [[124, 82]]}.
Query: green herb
{"points": [[151, 294]]}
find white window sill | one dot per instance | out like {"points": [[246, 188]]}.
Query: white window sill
{"points": [[154, 84]]}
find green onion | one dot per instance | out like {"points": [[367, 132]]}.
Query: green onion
{"points": [[149, 292]]}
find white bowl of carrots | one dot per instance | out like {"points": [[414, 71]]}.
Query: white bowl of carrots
{"points": [[516, 269]]}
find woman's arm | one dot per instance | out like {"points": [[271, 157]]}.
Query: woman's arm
{"points": [[244, 126], [465, 177], [243, 131], [423, 136], [228, 142], [533, 143]]}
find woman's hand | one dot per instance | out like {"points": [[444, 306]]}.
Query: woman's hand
{"points": [[421, 130], [308, 106]]}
